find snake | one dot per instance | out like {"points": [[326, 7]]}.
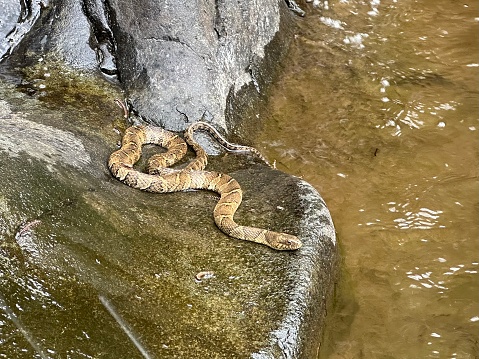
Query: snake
{"points": [[161, 178]]}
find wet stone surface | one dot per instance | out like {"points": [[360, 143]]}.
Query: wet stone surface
{"points": [[176, 62], [90, 267]]}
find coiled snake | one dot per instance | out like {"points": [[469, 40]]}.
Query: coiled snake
{"points": [[162, 179]]}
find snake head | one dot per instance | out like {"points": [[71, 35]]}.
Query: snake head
{"points": [[284, 242]]}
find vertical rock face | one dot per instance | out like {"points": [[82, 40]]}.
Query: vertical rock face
{"points": [[179, 61]]}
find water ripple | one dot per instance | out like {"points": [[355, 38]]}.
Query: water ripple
{"points": [[403, 217], [427, 279], [424, 218]]}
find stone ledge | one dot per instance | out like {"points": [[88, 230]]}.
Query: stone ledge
{"points": [[100, 246]]}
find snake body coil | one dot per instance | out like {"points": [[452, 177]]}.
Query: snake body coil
{"points": [[162, 179]]}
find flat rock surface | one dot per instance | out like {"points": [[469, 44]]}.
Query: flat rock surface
{"points": [[90, 267]]}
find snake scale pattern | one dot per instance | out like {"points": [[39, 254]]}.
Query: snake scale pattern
{"points": [[163, 179]]}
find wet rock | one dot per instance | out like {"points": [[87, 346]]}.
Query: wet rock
{"points": [[184, 61], [57, 30], [98, 267], [16, 20], [177, 62]]}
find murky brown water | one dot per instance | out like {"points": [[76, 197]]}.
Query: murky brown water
{"points": [[379, 111]]}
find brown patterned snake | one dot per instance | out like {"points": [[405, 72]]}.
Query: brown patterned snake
{"points": [[162, 179]]}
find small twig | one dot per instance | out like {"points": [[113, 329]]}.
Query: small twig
{"points": [[21, 328], [122, 105], [123, 325], [27, 227], [185, 116]]}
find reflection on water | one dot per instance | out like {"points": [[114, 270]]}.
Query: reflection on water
{"points": [[378, 110]]}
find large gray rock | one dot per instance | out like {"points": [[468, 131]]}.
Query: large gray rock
{"points": [[97, 268], [91, 267], [184, 60], [177, 62]]}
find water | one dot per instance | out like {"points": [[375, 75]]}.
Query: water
{"points": [[378, 109]]}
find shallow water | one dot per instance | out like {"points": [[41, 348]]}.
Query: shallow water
{"points": [[378, 109]]}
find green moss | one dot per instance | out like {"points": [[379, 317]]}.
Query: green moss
{"points": [[56, 84]]}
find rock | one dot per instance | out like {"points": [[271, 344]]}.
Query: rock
{"points": [[56, 30], [177, 63], [185, 59], [104, 266], [97, 267]]}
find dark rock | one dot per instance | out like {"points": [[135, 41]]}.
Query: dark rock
{"points": [[58, 31], [177, 63], [180, 63]]}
